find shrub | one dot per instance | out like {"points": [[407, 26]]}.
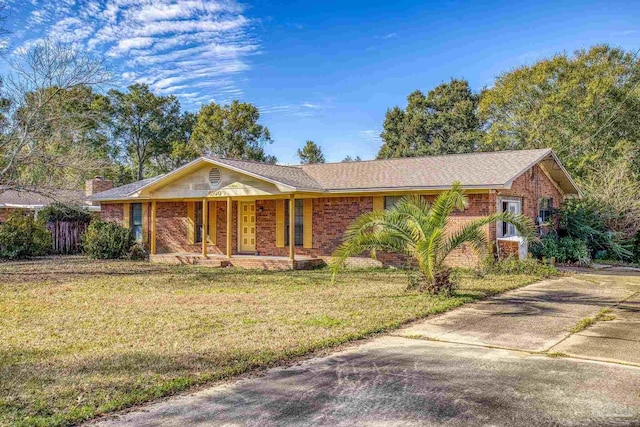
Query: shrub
{"points": [[529, 266], [563, 249], [61, 212], [107, 240], [137, 253], [636, 248], [583, 219], [21, 236]]}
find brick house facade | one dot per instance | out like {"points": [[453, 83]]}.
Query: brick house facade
{"points": [[181, 210]]}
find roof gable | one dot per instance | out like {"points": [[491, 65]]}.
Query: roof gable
{"points": [[197, 183]]}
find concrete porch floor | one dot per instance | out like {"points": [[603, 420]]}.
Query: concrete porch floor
{"points": [[259, 262]]}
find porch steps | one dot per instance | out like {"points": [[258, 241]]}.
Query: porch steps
{"points": [[239, 261], [188, 259]]}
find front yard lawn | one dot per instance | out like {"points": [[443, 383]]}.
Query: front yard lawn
{"points": [[79, 338]]}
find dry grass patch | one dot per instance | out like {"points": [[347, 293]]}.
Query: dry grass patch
{"points": [[79, 338]]}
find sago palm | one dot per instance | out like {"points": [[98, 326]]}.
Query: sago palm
{"points": [[417, 229]]}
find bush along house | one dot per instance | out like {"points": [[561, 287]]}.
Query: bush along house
{"points": [[232, 212]]}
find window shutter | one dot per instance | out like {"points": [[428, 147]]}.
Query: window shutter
{"points": [[378, 203], [212, 222], [191, 235], [126, 215], [145, 222], [307, 221], [280, 223]]}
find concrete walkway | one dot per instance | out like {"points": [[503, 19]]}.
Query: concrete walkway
{"points": [[506, 361]]}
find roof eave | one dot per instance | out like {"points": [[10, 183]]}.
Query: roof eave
{"points": [[413, 188], [547, 152]]}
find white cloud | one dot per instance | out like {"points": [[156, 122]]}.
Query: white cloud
{"points": [[370, 136], [193, 47], [303, 109]]}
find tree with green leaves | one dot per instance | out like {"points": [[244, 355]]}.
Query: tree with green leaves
{"points": [[181, 149], [442, 122], [232, 131], [143, 124], [586, 106], [310, 153], [348, 159], [417, 229]]}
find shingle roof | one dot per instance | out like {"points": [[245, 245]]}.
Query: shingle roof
{"points": [[475, 170], [472, 170], [10, 198], [290, 175], [124, 190]]}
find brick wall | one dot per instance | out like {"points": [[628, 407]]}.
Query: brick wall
{"points": [[480, 205], [172, 234], [111, 212], [331, 217], [530, 187], [221, 227], [97, 185]]}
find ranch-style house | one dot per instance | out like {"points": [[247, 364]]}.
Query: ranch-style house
{"points": [[232, 212]]}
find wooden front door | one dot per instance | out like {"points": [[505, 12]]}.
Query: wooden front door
{"points": [[247, 226]]}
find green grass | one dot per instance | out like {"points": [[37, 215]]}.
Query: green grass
{"points": [[582, 325], [80, 338], [602, 316], [556, 354]]}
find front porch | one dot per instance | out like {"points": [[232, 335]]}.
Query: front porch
{"points": [[246, 232], [240, 261]]}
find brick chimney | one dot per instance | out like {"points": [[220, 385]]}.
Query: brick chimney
{"points": [[97, 185]]}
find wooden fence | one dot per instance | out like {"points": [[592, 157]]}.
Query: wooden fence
{"points": [[67, 236]]}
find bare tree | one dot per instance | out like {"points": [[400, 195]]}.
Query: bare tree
{"points": [[44, 122]]}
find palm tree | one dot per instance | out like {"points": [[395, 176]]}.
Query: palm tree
{"points": [[417, 229]]}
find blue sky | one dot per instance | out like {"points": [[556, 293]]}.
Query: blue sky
{"points": [[320, 70]]}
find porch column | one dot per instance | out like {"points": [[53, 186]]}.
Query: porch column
{"points": [[229, 225], [292, 228], [153, 227], [205, 226]]}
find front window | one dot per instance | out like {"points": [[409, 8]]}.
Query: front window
{"points": [[198, 222], [136, 221], [546, 208], [515, 207], [298, 220], [391, 201]]}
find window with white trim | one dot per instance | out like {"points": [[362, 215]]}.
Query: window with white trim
{"points": [[515, 207], [546, 210]]}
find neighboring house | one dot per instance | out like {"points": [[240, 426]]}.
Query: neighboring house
{"points": [[33, 201], [238, 212]]}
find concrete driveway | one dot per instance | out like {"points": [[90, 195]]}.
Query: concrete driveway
{"points": [[505, 361]]}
